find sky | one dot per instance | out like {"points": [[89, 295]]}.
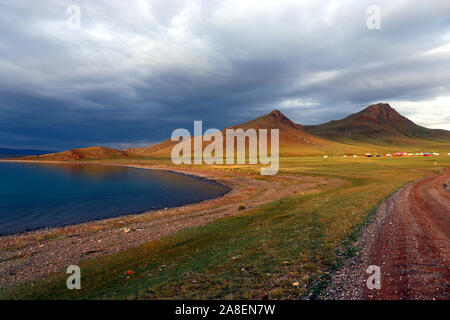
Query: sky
{"points": [[128, 73]]}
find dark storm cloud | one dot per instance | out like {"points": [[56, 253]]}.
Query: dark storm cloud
{"points": [[135, 71]]}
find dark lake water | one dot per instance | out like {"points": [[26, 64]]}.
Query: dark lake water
{"points": [[35, 196]]}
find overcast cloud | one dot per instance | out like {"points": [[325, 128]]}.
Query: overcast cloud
{"points": [[136, 70]]}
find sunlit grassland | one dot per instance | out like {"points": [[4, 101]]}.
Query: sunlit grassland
{"points": [[258, 254]]}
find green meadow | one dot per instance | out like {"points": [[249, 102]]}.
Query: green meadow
{"points": [[287, 249]]}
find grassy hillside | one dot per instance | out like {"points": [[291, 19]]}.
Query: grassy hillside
{"points": [[82, 154], [382, 126], [293, 140]]}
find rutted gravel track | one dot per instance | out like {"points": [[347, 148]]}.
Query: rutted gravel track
{"points": [[414, 243], [410, 241]]}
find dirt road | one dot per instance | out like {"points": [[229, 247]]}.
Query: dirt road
{"points": [[409, 241]]}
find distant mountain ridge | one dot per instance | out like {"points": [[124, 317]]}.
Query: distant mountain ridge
{"points": [[377, 128], [10, 152]]}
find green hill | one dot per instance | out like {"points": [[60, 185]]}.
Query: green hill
{"points": [[381, 125]]}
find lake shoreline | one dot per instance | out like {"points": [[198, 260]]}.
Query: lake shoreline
{"points": [[30, 255], [199, 177]]}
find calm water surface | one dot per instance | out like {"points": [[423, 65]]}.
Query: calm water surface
{"points": [[35, 196]]}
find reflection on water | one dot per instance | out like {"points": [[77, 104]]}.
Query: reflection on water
{"points": [[46, 195], [88, 171]]}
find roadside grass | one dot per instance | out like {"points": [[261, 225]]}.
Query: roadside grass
{"points": [[258, 254]]}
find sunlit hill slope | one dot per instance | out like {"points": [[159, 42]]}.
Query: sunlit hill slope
{"points": [[377, 129]]}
